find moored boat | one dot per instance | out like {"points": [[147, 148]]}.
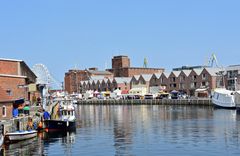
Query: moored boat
{"points": [[224, 98], [1, 140], [20, 135], [1, 135], [67, 119]]}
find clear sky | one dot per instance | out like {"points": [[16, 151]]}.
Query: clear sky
{"points": [[63, 34]]}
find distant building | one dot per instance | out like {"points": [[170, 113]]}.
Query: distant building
{"points": [[232, 77], [15, 76], [73, 78], [121, 68], [189, 68]]}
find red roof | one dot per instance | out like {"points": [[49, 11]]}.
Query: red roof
{"points": [[3, 96]]}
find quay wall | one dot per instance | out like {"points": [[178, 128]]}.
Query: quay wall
{"points": [[199, 102]]}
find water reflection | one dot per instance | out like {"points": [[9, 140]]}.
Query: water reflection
{"points": [[23, 148], [141, 130], [136, 129]]}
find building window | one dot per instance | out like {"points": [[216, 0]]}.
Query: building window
{"points": [[4, 111], [194, 77], [9, 92], [173, 79], [161, 80]]}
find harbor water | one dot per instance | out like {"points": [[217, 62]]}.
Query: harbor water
{"points": [[140, 130]]}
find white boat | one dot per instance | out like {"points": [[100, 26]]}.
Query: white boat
{"points": [[1, 135], [224, 98], [1, 140], [20, 135]]}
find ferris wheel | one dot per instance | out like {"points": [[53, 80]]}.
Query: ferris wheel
{"points": [[44, 77]]}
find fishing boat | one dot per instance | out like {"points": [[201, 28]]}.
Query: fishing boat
{"points": [[67, 119], [20, 135]]}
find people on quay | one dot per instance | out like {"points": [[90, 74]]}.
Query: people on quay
{"points": [[46, 115], [30, 124]]}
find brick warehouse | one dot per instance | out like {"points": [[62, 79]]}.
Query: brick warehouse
{"points": [[15, 75], [73, 78], [121, 67]]}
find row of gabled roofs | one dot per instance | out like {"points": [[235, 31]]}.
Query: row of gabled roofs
{"points": [[147, 77]]}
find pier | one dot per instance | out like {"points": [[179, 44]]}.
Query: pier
{"points": [[197, 102]]}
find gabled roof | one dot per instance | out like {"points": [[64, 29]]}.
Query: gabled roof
{"points": [[198, 71], [186, 72], [147, 77], [213, 71], [136, 77], [122, 79], [158, 75], [111, 80], [176, 73], [166, 74], [97, 77]]}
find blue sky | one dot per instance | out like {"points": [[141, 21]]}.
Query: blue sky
{"points": [[170, 33]]}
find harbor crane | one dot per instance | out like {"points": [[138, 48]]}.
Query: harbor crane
{"points": [[212, 60]]}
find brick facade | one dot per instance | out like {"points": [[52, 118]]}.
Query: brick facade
{"points": [[11, 86], [15, 75], [9, 107], [9, 67], [121, 68], [73, 78]]}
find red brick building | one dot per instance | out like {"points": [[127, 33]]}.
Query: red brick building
{"points": [[73, 78], [6, 105], [121, 68], [15, 76]]}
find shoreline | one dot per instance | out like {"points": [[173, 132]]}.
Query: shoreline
{"points": [[192, 102]]}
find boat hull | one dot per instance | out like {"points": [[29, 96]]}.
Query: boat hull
{"points": [[223, 98], [1, 140], [21, 135], [58, 125]]}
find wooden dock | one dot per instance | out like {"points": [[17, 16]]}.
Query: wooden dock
{"points": [[199, 102]]}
